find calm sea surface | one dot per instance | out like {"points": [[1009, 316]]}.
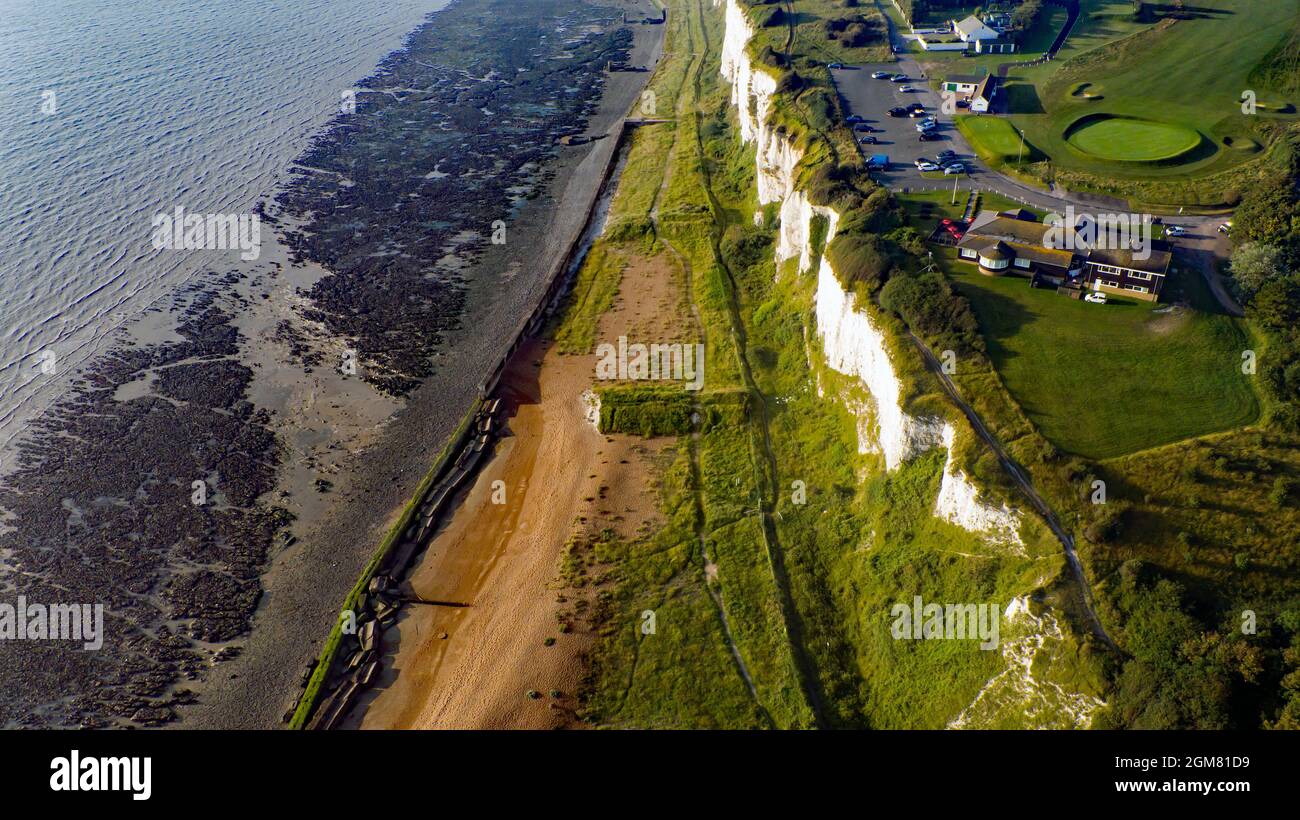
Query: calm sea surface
{"points": [[154, 104]]}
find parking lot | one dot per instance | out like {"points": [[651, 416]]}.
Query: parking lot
{"points": [[897, 136]]}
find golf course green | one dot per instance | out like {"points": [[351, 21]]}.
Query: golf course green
{"points": [[1128, 139]]}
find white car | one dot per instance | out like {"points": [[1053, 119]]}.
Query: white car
{"points": [[1175, 230], [926, 166], [955, 168], [927, 125], [1095, 298]]}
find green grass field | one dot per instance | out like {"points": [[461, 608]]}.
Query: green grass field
{"points": [[996, 140], [1073, 366], [1186, 73], [1127, 139]]}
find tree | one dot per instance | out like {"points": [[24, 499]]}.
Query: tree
{"points": [[1277, 303], [1027, 14], [1254, 264]]}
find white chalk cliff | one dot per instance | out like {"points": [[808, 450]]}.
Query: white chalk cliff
{"points": [[851, 341]]}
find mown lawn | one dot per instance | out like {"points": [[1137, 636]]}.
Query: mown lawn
{"points": [[1104, 380], [995, 139], [1133, 140], [1189, 73]]}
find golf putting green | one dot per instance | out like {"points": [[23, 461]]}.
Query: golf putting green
{"points": [[1127, 139]]}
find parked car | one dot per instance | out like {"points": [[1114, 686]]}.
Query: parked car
{"points": [[1096, 298], [907, 89], [926, 166], [852, 118], [947, 153], [955, 168], [963, 103], [916, 112], [1226, 227], [863, 127], [927, 125], [881, 75], [898, 111], [916, 106], [1175, 230], [835, 65], [868, 140], [930, 136], [899, 78], [949, 161]]}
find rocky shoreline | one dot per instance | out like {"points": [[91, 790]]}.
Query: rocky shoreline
{"points": [[302, 466]]}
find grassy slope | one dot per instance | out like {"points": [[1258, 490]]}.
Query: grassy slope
{"points": [[1198, 511], [1074, 367], [865, 538], [861, 541]]}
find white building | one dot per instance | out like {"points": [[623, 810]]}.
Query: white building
{"points": [[972, 30]]}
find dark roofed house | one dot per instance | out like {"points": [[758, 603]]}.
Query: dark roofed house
{"points": [[1019, 213], [1022, 243], [1003, 243], [982, 100], [978, 90], [1123, 272]]}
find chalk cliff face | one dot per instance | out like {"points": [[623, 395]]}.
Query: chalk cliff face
{"points": [[958, 503], [853, 346], [851, 342]]}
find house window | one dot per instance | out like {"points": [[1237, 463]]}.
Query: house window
{"points": [[1021, 263], [967, 253], [1138, 274], [1135, 288]]}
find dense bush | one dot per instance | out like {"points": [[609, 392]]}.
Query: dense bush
{"points": [[854, 32], [933, 310], [1180, 675], [1266, 277], [861, 258]]}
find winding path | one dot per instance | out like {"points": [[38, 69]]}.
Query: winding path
{"points": [[1022, 481]]}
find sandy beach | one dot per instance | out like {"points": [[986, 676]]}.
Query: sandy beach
{"points": [[474, 666]]}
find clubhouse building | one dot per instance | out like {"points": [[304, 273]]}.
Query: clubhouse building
{"points": [[1014, 243], [979, 92]]}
